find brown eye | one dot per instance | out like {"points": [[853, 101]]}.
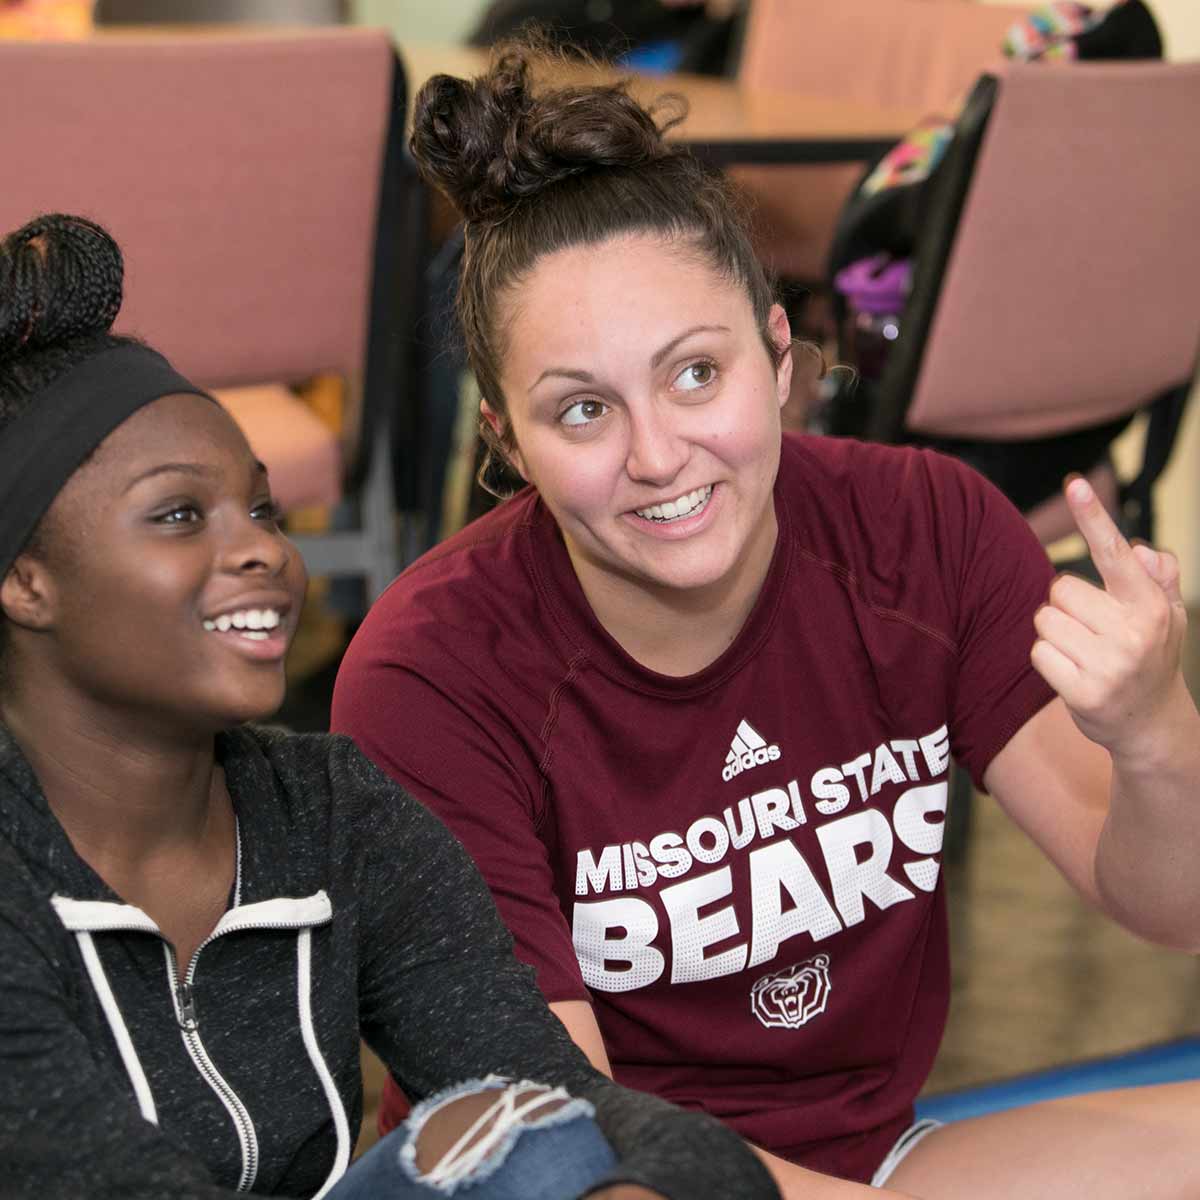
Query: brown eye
{"points": [[583, 412], [696, 375], [268, 512], [180, 514]]}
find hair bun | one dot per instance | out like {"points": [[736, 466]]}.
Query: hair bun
{"points": [[491, 142], [61, 278]]}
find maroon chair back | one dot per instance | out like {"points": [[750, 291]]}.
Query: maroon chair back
{"points": [[908, 55], [1070, 292], [257, 186], [239, 173]]}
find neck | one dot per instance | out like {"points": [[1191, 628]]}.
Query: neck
{"points": [[678, 631], [124, 791]]}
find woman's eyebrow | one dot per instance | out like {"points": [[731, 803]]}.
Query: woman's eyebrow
{"points": [[200, 470], [655, 359], [659, 355], [565, 372], [182, 468]]}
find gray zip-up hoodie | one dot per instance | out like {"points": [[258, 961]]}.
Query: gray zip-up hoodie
{"points": [[354, 911]]}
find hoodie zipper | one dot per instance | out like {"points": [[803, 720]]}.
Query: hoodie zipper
{"points": [[184, 1001], [84, 918], [187, 1008]]}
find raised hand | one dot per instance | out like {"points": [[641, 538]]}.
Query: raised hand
{"points": [[1113, 653]]}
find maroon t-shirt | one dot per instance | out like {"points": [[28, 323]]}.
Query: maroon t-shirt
{"points": [[740, 869]]}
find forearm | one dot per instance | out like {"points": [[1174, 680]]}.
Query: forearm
{"points": [[681, 1155], [1114, 655], [483, 1014], [798, 1183], [1148, 848]]}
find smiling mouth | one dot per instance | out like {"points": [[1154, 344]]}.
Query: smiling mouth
{"points": [[688, 505], [254, 624]]}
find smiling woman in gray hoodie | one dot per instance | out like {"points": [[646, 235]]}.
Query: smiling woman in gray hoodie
{"points": [[199, 918]]}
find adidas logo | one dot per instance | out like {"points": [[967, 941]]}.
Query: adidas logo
{"points": [[748, 749]]}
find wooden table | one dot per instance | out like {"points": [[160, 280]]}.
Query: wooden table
{"points": [[726, 123]]}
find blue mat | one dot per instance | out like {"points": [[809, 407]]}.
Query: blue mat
{"points": [[1171, 1063]]}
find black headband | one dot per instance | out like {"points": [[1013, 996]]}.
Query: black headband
{"points": [[48, 442]]}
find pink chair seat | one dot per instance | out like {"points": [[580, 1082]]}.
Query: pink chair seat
{"points": [[300, 451]]}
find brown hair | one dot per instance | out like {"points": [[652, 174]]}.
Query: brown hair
{"points": [[536, 169]]}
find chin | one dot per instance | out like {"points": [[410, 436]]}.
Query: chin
{"points": [[685, 578], [251, 708], [689, 568]]}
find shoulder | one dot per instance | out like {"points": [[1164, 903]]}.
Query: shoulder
{"points": [[326, 790], [884, 483], [314, 771], [32, 938], [468, 626], [491, 551], [314, 794], [31, 856], [462, 587], [914, 509], [910, 532], [20, 894]]}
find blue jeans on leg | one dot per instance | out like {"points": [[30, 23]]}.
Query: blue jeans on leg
{"points": [[553, 1157]]}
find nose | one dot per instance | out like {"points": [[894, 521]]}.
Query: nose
{"points": [[255, 545], [657, 450]]}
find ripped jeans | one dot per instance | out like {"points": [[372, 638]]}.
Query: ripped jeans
{"points": [[485, 1140]]}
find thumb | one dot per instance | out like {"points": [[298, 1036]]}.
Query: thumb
{"points": [[1163, 567]]}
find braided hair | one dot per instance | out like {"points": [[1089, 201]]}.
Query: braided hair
{"points": [[61, 280]]}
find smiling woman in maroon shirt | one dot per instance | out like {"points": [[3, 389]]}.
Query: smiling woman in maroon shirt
{"points": [[690, 698]]}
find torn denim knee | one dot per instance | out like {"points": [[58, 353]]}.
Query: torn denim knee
{"points": [[485, 1145]]}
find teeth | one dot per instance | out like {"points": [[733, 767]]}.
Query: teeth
{"points": [[682, 506], [250, 622]]}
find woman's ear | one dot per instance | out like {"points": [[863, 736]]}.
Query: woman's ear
{"points": [[26, 594], [780, 332], [500, 428]]}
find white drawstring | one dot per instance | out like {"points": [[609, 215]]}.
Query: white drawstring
{"points": [[108, 1002], [82, 917], [341, 1125]]}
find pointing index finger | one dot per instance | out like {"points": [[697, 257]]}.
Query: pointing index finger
{"points": [[1124, 576]]}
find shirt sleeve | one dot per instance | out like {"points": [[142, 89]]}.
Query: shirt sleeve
{"points": [[442, 999], [450, 743], [996, 575], [67, 1128]]}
